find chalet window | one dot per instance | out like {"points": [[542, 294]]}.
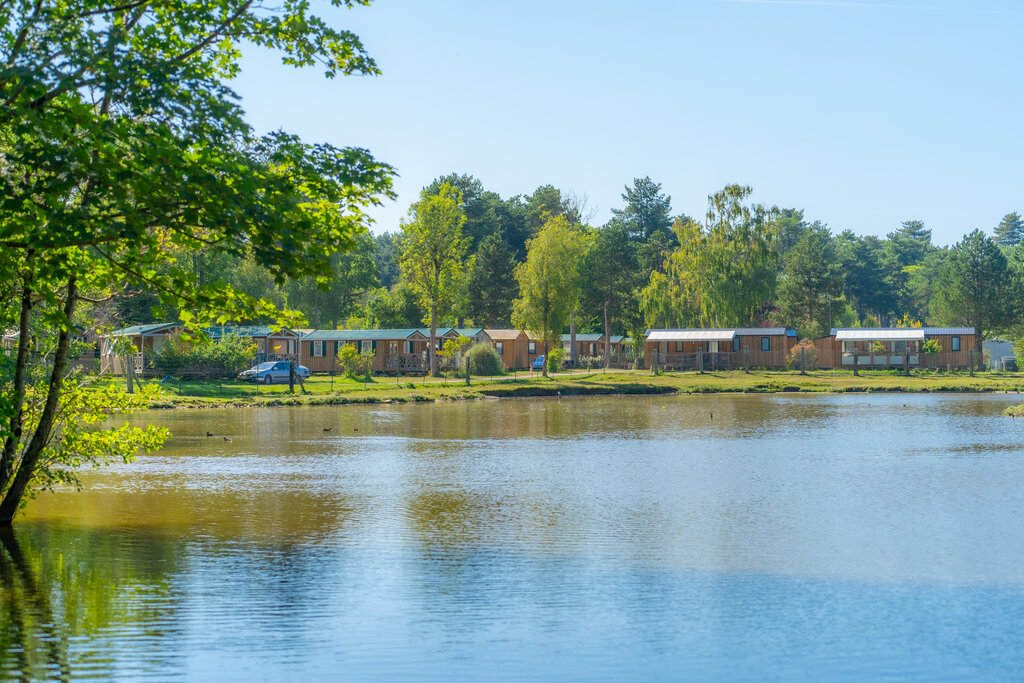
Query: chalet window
{"points": [[766, 343], [954, 343], [408, 347], [392, 348], [735, 343], [532, 347], [679, 347], [899, 347], [318, 348], [500, 348], [593, 349], [291, 346]]}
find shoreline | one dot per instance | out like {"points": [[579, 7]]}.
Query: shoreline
{"points": [[623, 383]]}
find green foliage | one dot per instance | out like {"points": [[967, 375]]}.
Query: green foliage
{"points": [[484, 360], [224, 358], [721, 274], [328, 301], [1010, 231], [811, 281], [804, 352], [492, 285], [647, 210], [452, 352], [353, 363], [550, 279], [612, 277], [555, 357], [931, 346]]}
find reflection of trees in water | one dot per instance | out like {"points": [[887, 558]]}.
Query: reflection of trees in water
{"points": [[32, 645]]}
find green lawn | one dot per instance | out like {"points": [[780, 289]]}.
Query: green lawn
{"points": [[327, 390]]}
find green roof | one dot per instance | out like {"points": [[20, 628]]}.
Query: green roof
{"points": [[470, 331], [244, 331], [361, 335], [143, 329], [584, 337]]}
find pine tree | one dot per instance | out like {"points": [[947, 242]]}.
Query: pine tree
{"points": [[1010, 231], [492, 285]]}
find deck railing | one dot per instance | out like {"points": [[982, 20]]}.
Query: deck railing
{"points": [[712, 360], [404, 362]]}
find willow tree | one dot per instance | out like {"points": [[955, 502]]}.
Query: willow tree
{"points": [[550, 281], [433, 257], [123, 153], [723, 272]]}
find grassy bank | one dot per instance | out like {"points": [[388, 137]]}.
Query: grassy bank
{"points": [[328, 391]]}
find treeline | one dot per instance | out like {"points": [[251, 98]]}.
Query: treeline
{"points": [[742, 264]]}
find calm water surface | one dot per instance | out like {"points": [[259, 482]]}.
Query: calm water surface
{"points": [[731, 537]]}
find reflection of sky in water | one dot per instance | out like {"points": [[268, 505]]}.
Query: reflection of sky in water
{"points": [[724, 536]]}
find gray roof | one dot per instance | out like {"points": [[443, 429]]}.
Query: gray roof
{"points": [[887, 332], [761, 331], [362, 335], [143, 329], [949, 330], [879, 334], [699, 335]]}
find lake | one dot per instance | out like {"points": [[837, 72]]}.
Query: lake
{"points": [[642, 538]]}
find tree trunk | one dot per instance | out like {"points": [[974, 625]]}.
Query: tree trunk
{"points": [[18, 396], [607, 338], [544, 369], [433, 343], [9, 506], [979, 349]]}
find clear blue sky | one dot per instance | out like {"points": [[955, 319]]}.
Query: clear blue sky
{"points": [[862, 113]]}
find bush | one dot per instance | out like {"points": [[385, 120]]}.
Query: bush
{"points": [[355, 364], [484, 360], [224, 358], [554, 359], [591, 362], [810, 355]]}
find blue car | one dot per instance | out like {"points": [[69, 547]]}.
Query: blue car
{"points": [[538, 363], [272, 371]]}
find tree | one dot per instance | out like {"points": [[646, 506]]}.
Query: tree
{"points": [[395, 308], [722, 273], [872, 276], [975, 288], [812, 279], [549, 281], [611, 274], [434, 255], [910, 243], [1010, 231], [385, 257], [647, 210], [328, 301], [791, 228], [122, 150], [483, 216], [492, 285]]}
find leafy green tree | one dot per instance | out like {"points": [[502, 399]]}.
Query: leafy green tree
{"points": [[812, 279], [722, 273], [329, 300], [482, 208], [395, 308], [549, 281], [872, 276], [647, 211], [975, 288], [434, 255], [492, 285], [123, 150], [1010, 231], [611, 272], [385, 257], [791, 228]]}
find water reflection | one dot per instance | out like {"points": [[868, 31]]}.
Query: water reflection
{"points": [[648, 538]]}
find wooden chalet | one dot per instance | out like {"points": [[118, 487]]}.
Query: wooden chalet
{"points": [[147, 339], [593, 345], [888, 347], [718, 349], [511, 345], [270, 345], [395, 350]]}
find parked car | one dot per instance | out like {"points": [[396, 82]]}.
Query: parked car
{"points": [[272, 371], [538, 363]]}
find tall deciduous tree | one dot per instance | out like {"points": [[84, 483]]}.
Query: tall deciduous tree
{"points": [[549, 281], [492, 285], [975, 288], [329, 300], [647, 211], [434, 255], [722, 273], [123, 149]]}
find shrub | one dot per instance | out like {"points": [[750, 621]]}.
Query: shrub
{"points": [[810, 355], [591, 362], [224, 358], [484, 360], [353, 363], [554, 359]]}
